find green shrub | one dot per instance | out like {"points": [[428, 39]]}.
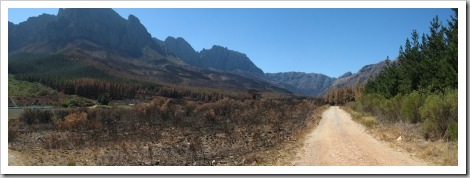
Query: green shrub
{"points": [[440, 114], [103, 99], [371, 103], [435, 116], [410, 107], [387, 109], [75, 101], [453, 131], [71, 102], [451, 99], [356, 106], [397, 102]]}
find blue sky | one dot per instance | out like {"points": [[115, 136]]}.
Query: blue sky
{"points": [[328, 41]]}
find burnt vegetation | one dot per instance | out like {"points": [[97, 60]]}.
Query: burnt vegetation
{"points": [[169, 131]]}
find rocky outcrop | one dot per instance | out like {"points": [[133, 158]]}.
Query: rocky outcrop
{"points": [[347, 74], [182, 49], [221, 58]]}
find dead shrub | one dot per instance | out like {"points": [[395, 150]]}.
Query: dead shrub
{"points": [[74, 121], [13, 131], [35, 116], [52, 142]]}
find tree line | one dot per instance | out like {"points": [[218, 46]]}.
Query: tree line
{"points": [[421, 85], [427, 64]]}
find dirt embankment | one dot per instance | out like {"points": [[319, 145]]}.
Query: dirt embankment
{"points": [[339, 141]]}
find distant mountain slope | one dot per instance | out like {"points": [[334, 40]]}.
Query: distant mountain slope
{"points": [[312, 84], [103, 41], [361, 76], [219, 58], [301, 83]]}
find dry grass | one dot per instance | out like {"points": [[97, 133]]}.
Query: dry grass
{"points": [[368, 121], [440, 152]]}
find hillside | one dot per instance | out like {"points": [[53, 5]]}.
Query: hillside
{"points": [[27, 89], [360, 77]]}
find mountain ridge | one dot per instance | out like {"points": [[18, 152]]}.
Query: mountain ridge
{"points": [[104, 40], [315, 84], [216, 58]]}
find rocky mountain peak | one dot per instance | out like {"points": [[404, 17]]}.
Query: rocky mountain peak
{"points": [[182, 49], [222, 58], [19, 34], [347, 74], [135, 37], [102, 26], [84, 13], [217, 58]]}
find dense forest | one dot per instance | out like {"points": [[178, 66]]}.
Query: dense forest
{"points": [[421, 85]]}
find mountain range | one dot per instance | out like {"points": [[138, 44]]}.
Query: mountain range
{"points": [[300, 83], [103, 40]]}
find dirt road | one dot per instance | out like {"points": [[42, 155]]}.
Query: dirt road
{"points": [[339, 141]]}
